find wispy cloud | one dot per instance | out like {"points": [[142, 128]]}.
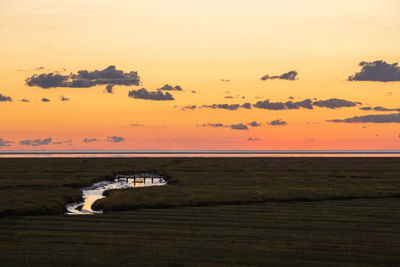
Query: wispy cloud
{"points": [[63, 98], [253, 139], [36, 142], [115, 139], [69, 141], [90, 140], [380, 118], [4, 142]]}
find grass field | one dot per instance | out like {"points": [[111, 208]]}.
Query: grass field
{"points": [[357, 232], [219, 211]]}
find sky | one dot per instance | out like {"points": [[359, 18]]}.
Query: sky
{"points": [[210, 74]]}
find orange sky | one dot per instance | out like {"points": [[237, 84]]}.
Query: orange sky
{"points": [[195, 44]]}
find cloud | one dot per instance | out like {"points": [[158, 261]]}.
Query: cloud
{"points": [[148, 95], [194, 92], [190, 107], [90, 140], [254, 124], [168, 87], [253, 139], [84, 78], [266, 104], [228, 106], [63, 98], [307, 104], [334, 103], [109, 88], [62, 142], [225, 80], [381, 118], [115, 139], [389, 94], [24, 100], [239, 126], [45, 99], [36, 142], [222, 106], [277, 122], [246, 106], [379, 108], [291, 75], [4, 98], [213, 125], [377, 71], [136, 125], [4, 142], [228, 97]]}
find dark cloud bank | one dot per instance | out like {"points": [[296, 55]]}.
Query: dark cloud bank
{"points": [[331, 103], [253, 139], [36, 142], [291, 75], [381, 118], [45, 100], [377, 71], [85, 78]]}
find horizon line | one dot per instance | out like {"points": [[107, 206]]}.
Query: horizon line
{"points": [[199, 152]]}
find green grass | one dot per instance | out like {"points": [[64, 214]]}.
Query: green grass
{"points": [[329, 233]]}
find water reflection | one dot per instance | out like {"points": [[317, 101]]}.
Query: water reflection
{"points": [[92, 193]]}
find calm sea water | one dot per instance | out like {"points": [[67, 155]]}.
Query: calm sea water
{"points": [[189, 155]]}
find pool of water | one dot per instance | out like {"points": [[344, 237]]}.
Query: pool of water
{"points": [[94, 192]]}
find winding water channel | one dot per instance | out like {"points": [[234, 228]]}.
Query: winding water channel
{"points": [[94, 192]]}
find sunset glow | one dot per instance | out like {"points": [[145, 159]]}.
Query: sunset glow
{"points": [[211, 53]]}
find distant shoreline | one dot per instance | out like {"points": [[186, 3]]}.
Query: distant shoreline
{"points": [[200, 152]]}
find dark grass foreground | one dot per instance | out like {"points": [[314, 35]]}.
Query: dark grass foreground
{"points": [[330, 233], [293, 211], [44, 186]]}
